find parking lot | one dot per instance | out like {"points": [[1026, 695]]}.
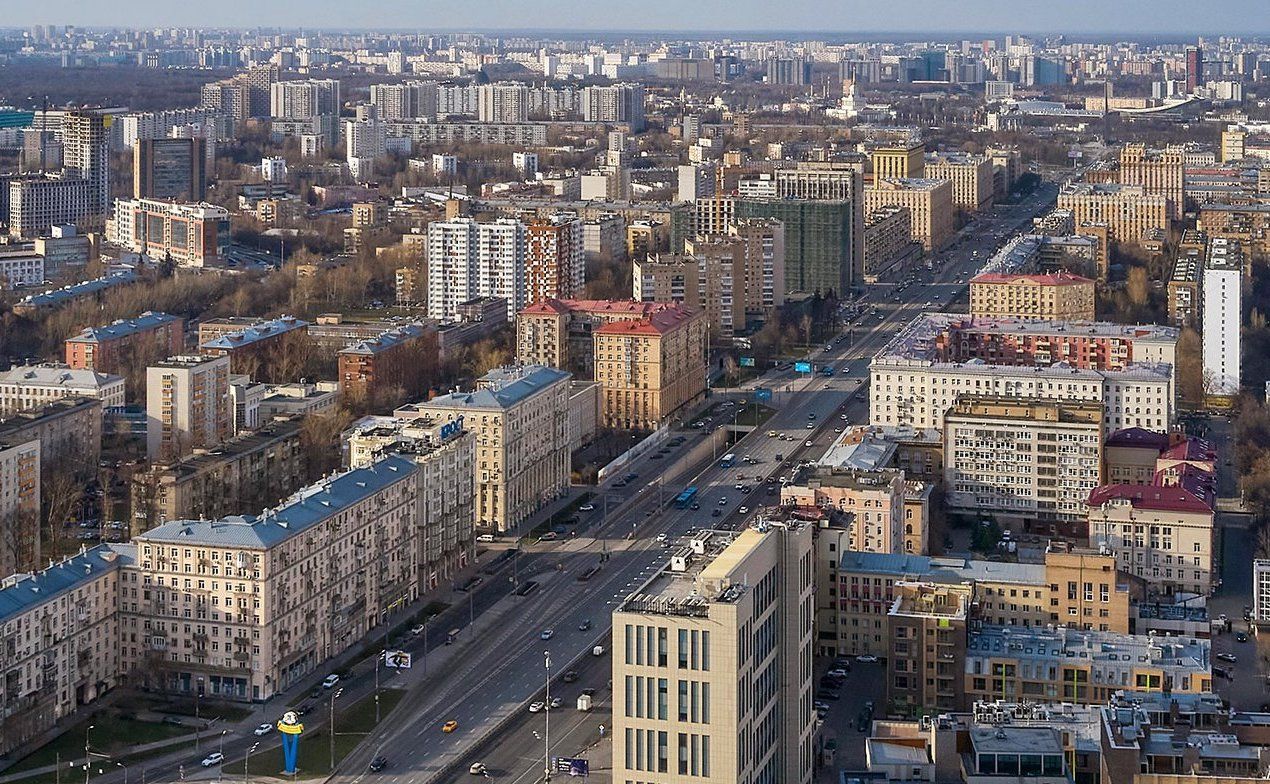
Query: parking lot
{"points": [[865, 683]]}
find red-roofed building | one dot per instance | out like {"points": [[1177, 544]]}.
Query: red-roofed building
{"points": [[1161, 532], [1056, 296], [1130, 455], [648, 357]]}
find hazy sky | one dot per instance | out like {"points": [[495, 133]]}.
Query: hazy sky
{"points": [[1128, 17]]}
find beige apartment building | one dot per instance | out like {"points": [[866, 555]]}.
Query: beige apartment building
{"points": [[60, 637], [1159, 172], [248, 606], [871, 503], [1128, 211], [520, 416], [929, 202], [651, 369], [19, 505], [900, 159], [712, 663], [926, 648], [187, 406], [1028, 464], [1162, 534], [68, 429], [246, 473], [971, 177], [1059, 296], [888, 242], [26, 387]]}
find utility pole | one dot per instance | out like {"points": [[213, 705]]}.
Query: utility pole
{"points": [[331, 727], [198, 688], [546, 712], [88, 762], [247, 759]]}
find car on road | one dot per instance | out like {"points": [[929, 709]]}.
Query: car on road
{"points": [[450, 726], [477, 769], [556, 702], [536, 707], [662, 537], [830, 695], [807, 442], [570, 676], [723, 501], [215, 758], [820, 705], [1228, 657], [866, 659], [485, 538], [837, 672], [417, 630], [585, 626], [587, 508], [743, 510], [811, 426], [715, 512], [378, 764], [1241, 637], [263, 729], [547, 634], [330, 681]]}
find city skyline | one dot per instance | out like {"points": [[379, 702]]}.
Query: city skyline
{"points": [[1135, 19]]}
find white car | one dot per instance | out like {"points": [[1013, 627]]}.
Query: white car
{"points": [[807, 443], [330, 681], [477, 769], [263, 729], [743, 510], [215, 758], [587, 508], [661, 537], [536, 707], [547, 634], [866, 659]]}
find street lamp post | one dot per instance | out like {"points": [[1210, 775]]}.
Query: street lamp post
{"points": [[88, 761], [198, 691], [546, 735], [246, 759], [125, 771], [220, 749], [331, 727]]}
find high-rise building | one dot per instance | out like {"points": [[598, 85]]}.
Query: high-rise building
{"points": [[187, 406], [1194, 69], [405, 101], [502, 103], [1158, 172], [791, 71], [651, 368], [169, 169], [820, 243], [301, 100], [928, 623], [37, 205], [1261, 591], [971, 177], [555, 260], [730, 615], [86, 155], [615, 104], [1222, 316], [929, 202], [1128, 211], [467, 259], [900, 160]]}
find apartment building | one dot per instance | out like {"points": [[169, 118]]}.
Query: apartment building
{"points": [[520, 418], [20, 267], [38, 204], [269, 350], [187, 233], [68, 429], [123, 344], [1028, 464], [1223, 318], [971, 177], [1261, 591], [912, 385], [25, 387], [302, 99], [650, 369], [1184, 287], [823, 239], [1158, 172], [927, 646], [712, 662], [403, 358], [19, 505], [870, 504], [59, 630], [187, 406], [502, 103], [929, 202], [888, 243], [86, 155], [1096, 345], [1080, 666], [1129, 212], [1160, 533], [559, 333], [467, 259], [555, 259], [904, 159], [856, 590], [614, 104], [271, 597], [1249, 224], [1058, 296]]}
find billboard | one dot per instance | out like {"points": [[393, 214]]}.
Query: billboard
{"points": [[574, 766], [761, 393], [747, 361], [802, 367], [399, 659]]}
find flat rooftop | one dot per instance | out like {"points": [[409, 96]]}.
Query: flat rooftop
{"points": [[1132, 650]]}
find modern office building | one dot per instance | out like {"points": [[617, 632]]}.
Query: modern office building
{"points": [[170, 169], [187, 406], [188, 234], [1058, 296], [712, 676], [520, 418], [25, 387], [1223, 318], [1029, 465], [118, 346]]}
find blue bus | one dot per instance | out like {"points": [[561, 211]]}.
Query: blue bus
{"points": [[684, 499], [728, 460]]}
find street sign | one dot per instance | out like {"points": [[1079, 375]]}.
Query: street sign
{"points": [[574, 766], [747, 361], [802, 367], [399, 659], [761, 394]]}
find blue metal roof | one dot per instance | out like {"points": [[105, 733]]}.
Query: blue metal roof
{"points": [[386, 340], [68, 293], [256, 332], [307, 508], [148, 320], [501, 388], [30, 591]]}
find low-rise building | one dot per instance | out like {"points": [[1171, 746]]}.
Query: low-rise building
{"points": [[127, 343], [1054, 297], [68, 429], [188, 234], [404, 358], [30, 386], [271, 350]]}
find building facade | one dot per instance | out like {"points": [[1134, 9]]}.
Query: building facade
{"points": [[1055, 297], [187, 406], [122, 344]]}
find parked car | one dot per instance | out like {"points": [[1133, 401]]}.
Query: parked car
{"points": [[1227, 657], [330, 681], [536, 707], [570, 676]]}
